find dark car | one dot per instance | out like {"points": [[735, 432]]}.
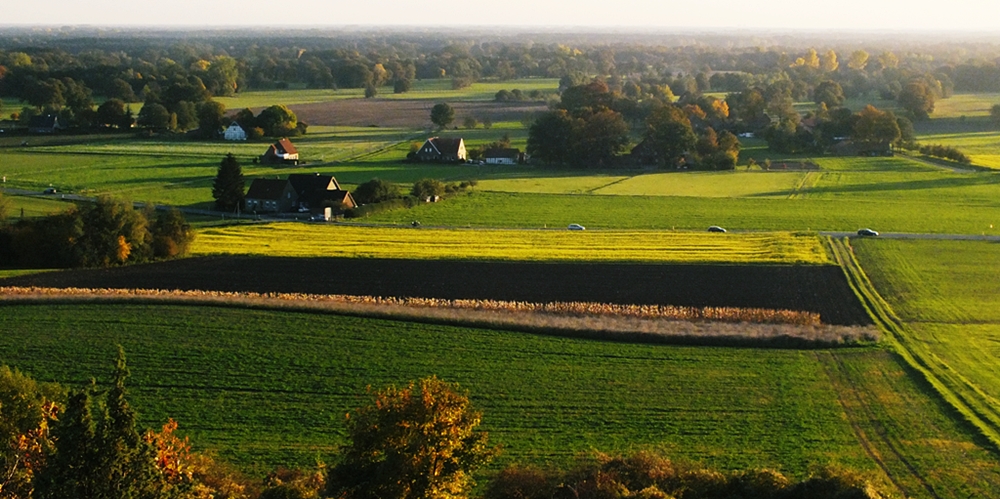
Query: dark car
{"points": [[867, 232], [716, 228]]}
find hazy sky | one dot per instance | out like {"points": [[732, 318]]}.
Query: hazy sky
{"points": [[945, 15]]}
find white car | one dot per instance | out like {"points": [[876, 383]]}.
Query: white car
{"points": [[576, 227]]}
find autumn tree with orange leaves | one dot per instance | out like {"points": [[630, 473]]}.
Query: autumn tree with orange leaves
{"points": [[418, 442], [26, 408]]}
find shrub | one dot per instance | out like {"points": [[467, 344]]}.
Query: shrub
{"points": [[376, 190], [945, 152]]}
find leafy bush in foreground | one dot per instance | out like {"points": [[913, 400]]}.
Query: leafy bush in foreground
{"points": [[651, 476]]}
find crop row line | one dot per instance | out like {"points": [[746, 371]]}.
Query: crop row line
{"points": [[957, 390]]}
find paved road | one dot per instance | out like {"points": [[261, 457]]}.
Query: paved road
{"points": [[304, 216], [910, 235]]}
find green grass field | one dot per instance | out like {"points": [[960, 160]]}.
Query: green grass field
{"points": [[217, 371], [495, 209], [948, 295], [312, 240], [422, 89]]}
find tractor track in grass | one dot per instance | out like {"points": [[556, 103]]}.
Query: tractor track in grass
{"points": [[876, 442]]}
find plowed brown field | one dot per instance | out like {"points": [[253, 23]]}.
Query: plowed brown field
{"points": [[821, 289]]}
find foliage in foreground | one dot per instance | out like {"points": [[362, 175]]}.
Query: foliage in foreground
{"points": [[419, 442], [647, 475]]}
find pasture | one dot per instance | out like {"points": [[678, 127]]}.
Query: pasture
{"points": [[545, 399], [500, 209], [948, 297]]}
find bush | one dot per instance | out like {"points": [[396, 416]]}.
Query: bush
{"points": [[945, 152], [427, 188], [647, 475], [376, 190]]}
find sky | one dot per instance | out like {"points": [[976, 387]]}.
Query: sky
{"points": [[867, 15]]}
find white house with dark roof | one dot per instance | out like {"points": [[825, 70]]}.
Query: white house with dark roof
{"points": [[235, 132]]}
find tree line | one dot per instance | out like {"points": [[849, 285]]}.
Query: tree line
{"points": [[105, 233], [420, 441], [52, 73]]}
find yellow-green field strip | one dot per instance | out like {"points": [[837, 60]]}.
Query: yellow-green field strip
{"points": [[972, 403], [334, 240]]}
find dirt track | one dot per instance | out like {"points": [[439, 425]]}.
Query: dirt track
{"points": [[821, 289]]}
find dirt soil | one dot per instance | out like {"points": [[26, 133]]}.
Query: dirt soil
{"points": [[821, 289], [405, 113]]}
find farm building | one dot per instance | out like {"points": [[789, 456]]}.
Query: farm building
{"points": [[281, 152], [443, 150], [297, 193], [235, 132], [314, 191], [45, 123], [503, 157], [268, 195]]}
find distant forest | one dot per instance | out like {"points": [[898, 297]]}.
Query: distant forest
{"points": [[131, 65]]}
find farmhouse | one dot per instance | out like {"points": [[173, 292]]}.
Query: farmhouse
{"points": [[45, 123], [267, 195], [235, 132], [299, 192], [281, 152], [442, 150], [503, 156]]}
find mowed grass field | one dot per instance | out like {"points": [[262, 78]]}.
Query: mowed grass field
{"points": [[331, 240], [501, 209], [271, 388], [947, 293]]}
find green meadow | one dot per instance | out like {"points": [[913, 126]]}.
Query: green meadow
{"points": [[437, 89], [545, 399], [947, 295]]}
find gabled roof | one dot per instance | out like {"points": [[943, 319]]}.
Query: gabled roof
{"points": [[303, 182], [446, 146], [43, 121], [312, 188], [266, 188], [285, 146], [503, 153], [343, 197], [234, 125]]}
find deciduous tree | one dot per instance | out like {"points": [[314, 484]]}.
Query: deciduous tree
{"points": [[669, 133], [918, 99], [26, 409], [418, 442], [442, 115]]}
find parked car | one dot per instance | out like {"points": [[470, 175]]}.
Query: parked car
{"points": [[716, 228], [867, 232], [576, 227], [318, 218], [50, 190]]}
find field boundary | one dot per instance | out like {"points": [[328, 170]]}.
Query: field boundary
{"points": [[623, 324], [959, 392]]}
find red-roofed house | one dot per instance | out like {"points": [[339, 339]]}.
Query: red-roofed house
{"points": [[281, 152]]}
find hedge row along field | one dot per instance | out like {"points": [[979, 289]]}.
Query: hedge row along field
{"points": [[266, 388], [820, 289], [313, 240]]}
